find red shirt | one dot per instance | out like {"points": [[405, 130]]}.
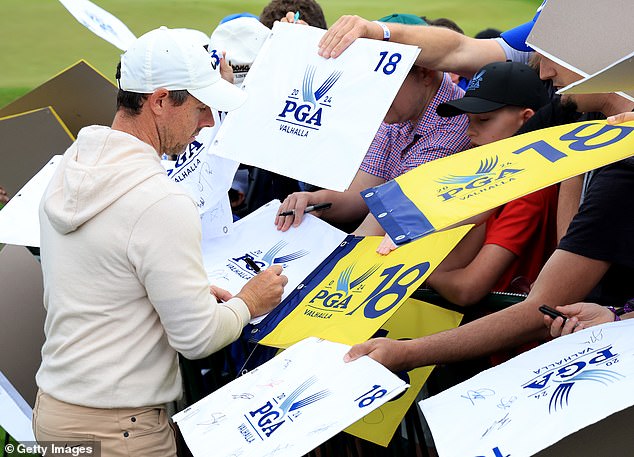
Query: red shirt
{"points": [[528, 228]]}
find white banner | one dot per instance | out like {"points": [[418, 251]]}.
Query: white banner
{"points": [[289, 405], [100, 22], [20, 218], [207, 178], [299, 250], [312, 118], [539, 397]]}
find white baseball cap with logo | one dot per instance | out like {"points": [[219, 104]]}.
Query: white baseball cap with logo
{"points": [[241, 39], [174, 59]]}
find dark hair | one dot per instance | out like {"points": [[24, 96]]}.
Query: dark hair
{"points": [[132, 102], [309, 11], [444, 22], [488, 33]]}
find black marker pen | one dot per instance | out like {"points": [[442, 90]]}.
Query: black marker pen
{"points": [[254, 266]]}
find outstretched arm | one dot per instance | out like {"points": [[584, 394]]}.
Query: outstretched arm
{"points": [[566, 278], [467, 285], [347, 206], [568, 203], [442, 49]]}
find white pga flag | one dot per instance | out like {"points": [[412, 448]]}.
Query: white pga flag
{"points": [[207, 178], [289, 405], [20, 218], [539, 397], [312, 118], [100, 22], [299, 250]]}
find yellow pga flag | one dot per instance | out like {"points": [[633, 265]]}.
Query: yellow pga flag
{"points": [[443, 192], [352, 296], [413, 319]]}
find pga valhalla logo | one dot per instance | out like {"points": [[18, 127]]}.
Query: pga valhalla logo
{"points": [[263, 260], [262, 422], [557, 380], [303, 109], [336, 296], [490, 175]]}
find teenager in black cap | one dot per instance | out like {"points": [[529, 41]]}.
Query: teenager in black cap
{"points": [[499, 99], [508, 251]]}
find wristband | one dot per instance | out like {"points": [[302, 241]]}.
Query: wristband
{"points": [[627, 308], [617, 313], [386, 31]]}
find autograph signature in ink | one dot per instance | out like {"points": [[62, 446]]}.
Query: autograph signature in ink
{"points": [[597, 335], [219, 274], [505, 403], [278, 449], [498, 424], [479, 394], [272, 383], [322, 429], [213, 420], [244, 396], [205, 170]]}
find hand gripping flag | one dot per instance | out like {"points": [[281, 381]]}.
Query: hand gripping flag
{"points": [[415, 318]]}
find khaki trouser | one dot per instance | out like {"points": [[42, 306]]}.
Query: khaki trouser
{"points": [[121, 432]]}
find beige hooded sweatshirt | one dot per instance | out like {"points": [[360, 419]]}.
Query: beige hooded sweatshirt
{"points": [[124, 283]]}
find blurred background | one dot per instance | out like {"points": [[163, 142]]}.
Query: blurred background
{"points": [[39, 38]]}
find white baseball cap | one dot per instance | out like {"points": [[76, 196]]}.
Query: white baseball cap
{"points": [[175, 59], [241, 39]]}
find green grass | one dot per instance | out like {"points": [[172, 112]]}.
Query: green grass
{"points": [[40, 38], [8, 94]]}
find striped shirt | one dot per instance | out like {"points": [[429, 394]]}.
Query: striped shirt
{"points": [[398, 148]]}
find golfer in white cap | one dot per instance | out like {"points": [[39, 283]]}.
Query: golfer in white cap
{"points": [[125, 287]]}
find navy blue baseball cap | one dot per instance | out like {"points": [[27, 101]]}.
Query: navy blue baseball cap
{"points": [[516, 37]]}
